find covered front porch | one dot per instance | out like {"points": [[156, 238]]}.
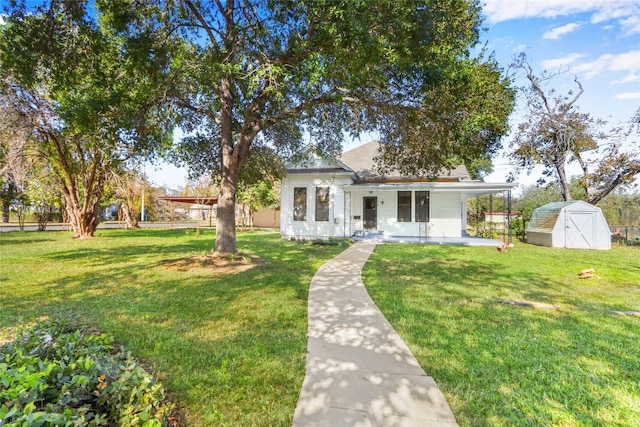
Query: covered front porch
{"points": [[382, 237], [429, 212]]}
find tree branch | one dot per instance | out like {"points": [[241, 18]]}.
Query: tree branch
{"points": [[205, 25]]}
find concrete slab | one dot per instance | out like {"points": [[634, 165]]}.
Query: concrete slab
{"points": [[359, 371], [381, 237]]}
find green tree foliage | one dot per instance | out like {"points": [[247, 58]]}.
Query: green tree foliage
{"points": [[555, 134], [622, 208], [84, 94], [533, 197], [253, 75], [43, 193]]}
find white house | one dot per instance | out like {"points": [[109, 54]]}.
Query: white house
{"points": [[324, 197]]}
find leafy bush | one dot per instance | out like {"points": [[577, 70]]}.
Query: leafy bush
{"points": [[332, 241], [56, 374], [517, 228], [488, 233]]}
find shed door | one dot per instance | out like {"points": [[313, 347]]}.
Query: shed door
{"points": [[580, 230]]}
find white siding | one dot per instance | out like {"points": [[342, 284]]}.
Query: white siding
{"points": [[446, 215], [312, 229]]}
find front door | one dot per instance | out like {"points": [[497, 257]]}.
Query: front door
{"points": [[370, 214]]}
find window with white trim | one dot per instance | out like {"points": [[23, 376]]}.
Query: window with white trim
{"points": [[422, 206], [322, 203], [300, 204], [404, 206]]}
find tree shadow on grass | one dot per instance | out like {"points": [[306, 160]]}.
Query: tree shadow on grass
{"points": [[23, 241], [230, 347], [509, 365]]}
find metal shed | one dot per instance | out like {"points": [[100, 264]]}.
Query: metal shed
{"points": [[575, 225]]}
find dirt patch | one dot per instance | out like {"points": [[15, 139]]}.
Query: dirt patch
{"points": [[625, 313], [532, 304], [213, 263]]}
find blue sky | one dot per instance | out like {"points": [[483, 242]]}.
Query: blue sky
{"points": [[596, 41]]}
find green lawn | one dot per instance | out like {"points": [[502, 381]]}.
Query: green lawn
{"points": [[229, 347], [506, 365]]}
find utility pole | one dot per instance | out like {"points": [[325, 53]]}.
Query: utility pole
{"points": [[142, 209]]}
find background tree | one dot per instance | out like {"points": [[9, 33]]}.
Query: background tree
{"points": [[262, 194], [43, 192], [14, 163], [256, 74], [556, 134], [622, 208], [533, 197], [13, 168], [128, 188], [84, 93]]}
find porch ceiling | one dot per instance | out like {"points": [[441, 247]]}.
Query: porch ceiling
{"points": [[467, 187]]}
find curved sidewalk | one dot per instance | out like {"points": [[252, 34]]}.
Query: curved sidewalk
{"points": [[359, 371]]}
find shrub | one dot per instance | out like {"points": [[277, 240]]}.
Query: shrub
{"points": [[517, 228], [332, 241], [57, 374]]}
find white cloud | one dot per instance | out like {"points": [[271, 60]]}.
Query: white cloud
{"points": [[558, 32], [553, 64], [628, 95], [505, 10], [631, 25], [1, 20], [614, 10], [608, 63], [602, 10]]}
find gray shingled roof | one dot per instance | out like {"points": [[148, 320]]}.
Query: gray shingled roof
{"points": [[361, 161]]}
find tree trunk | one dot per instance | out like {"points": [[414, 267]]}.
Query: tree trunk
{"points": [[230, 173], [130, 218], [42, 215], [226, 221], [83, 219], [562, 179], [5, 211], [83, 223]]}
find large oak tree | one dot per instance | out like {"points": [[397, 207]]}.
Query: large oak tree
{"points": [[277, 74]]}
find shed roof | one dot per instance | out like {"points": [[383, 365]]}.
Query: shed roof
{"points": [[544, 218]]}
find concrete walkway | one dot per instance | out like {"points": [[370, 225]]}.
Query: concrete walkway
{"points": [[359, 371]]}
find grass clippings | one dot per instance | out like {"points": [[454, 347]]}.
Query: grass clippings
{"points": [[532, 304]]}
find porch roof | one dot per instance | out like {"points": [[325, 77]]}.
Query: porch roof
{"points": [[469, 187]]}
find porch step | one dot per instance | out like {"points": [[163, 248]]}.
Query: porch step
{"points": [[368, 233]]}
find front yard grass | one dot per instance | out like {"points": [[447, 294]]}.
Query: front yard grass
{"points": [[228, 345], [508, 365]]}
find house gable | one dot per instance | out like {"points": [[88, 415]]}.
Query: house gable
{"points": [[312, 162], [362, 161]]}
